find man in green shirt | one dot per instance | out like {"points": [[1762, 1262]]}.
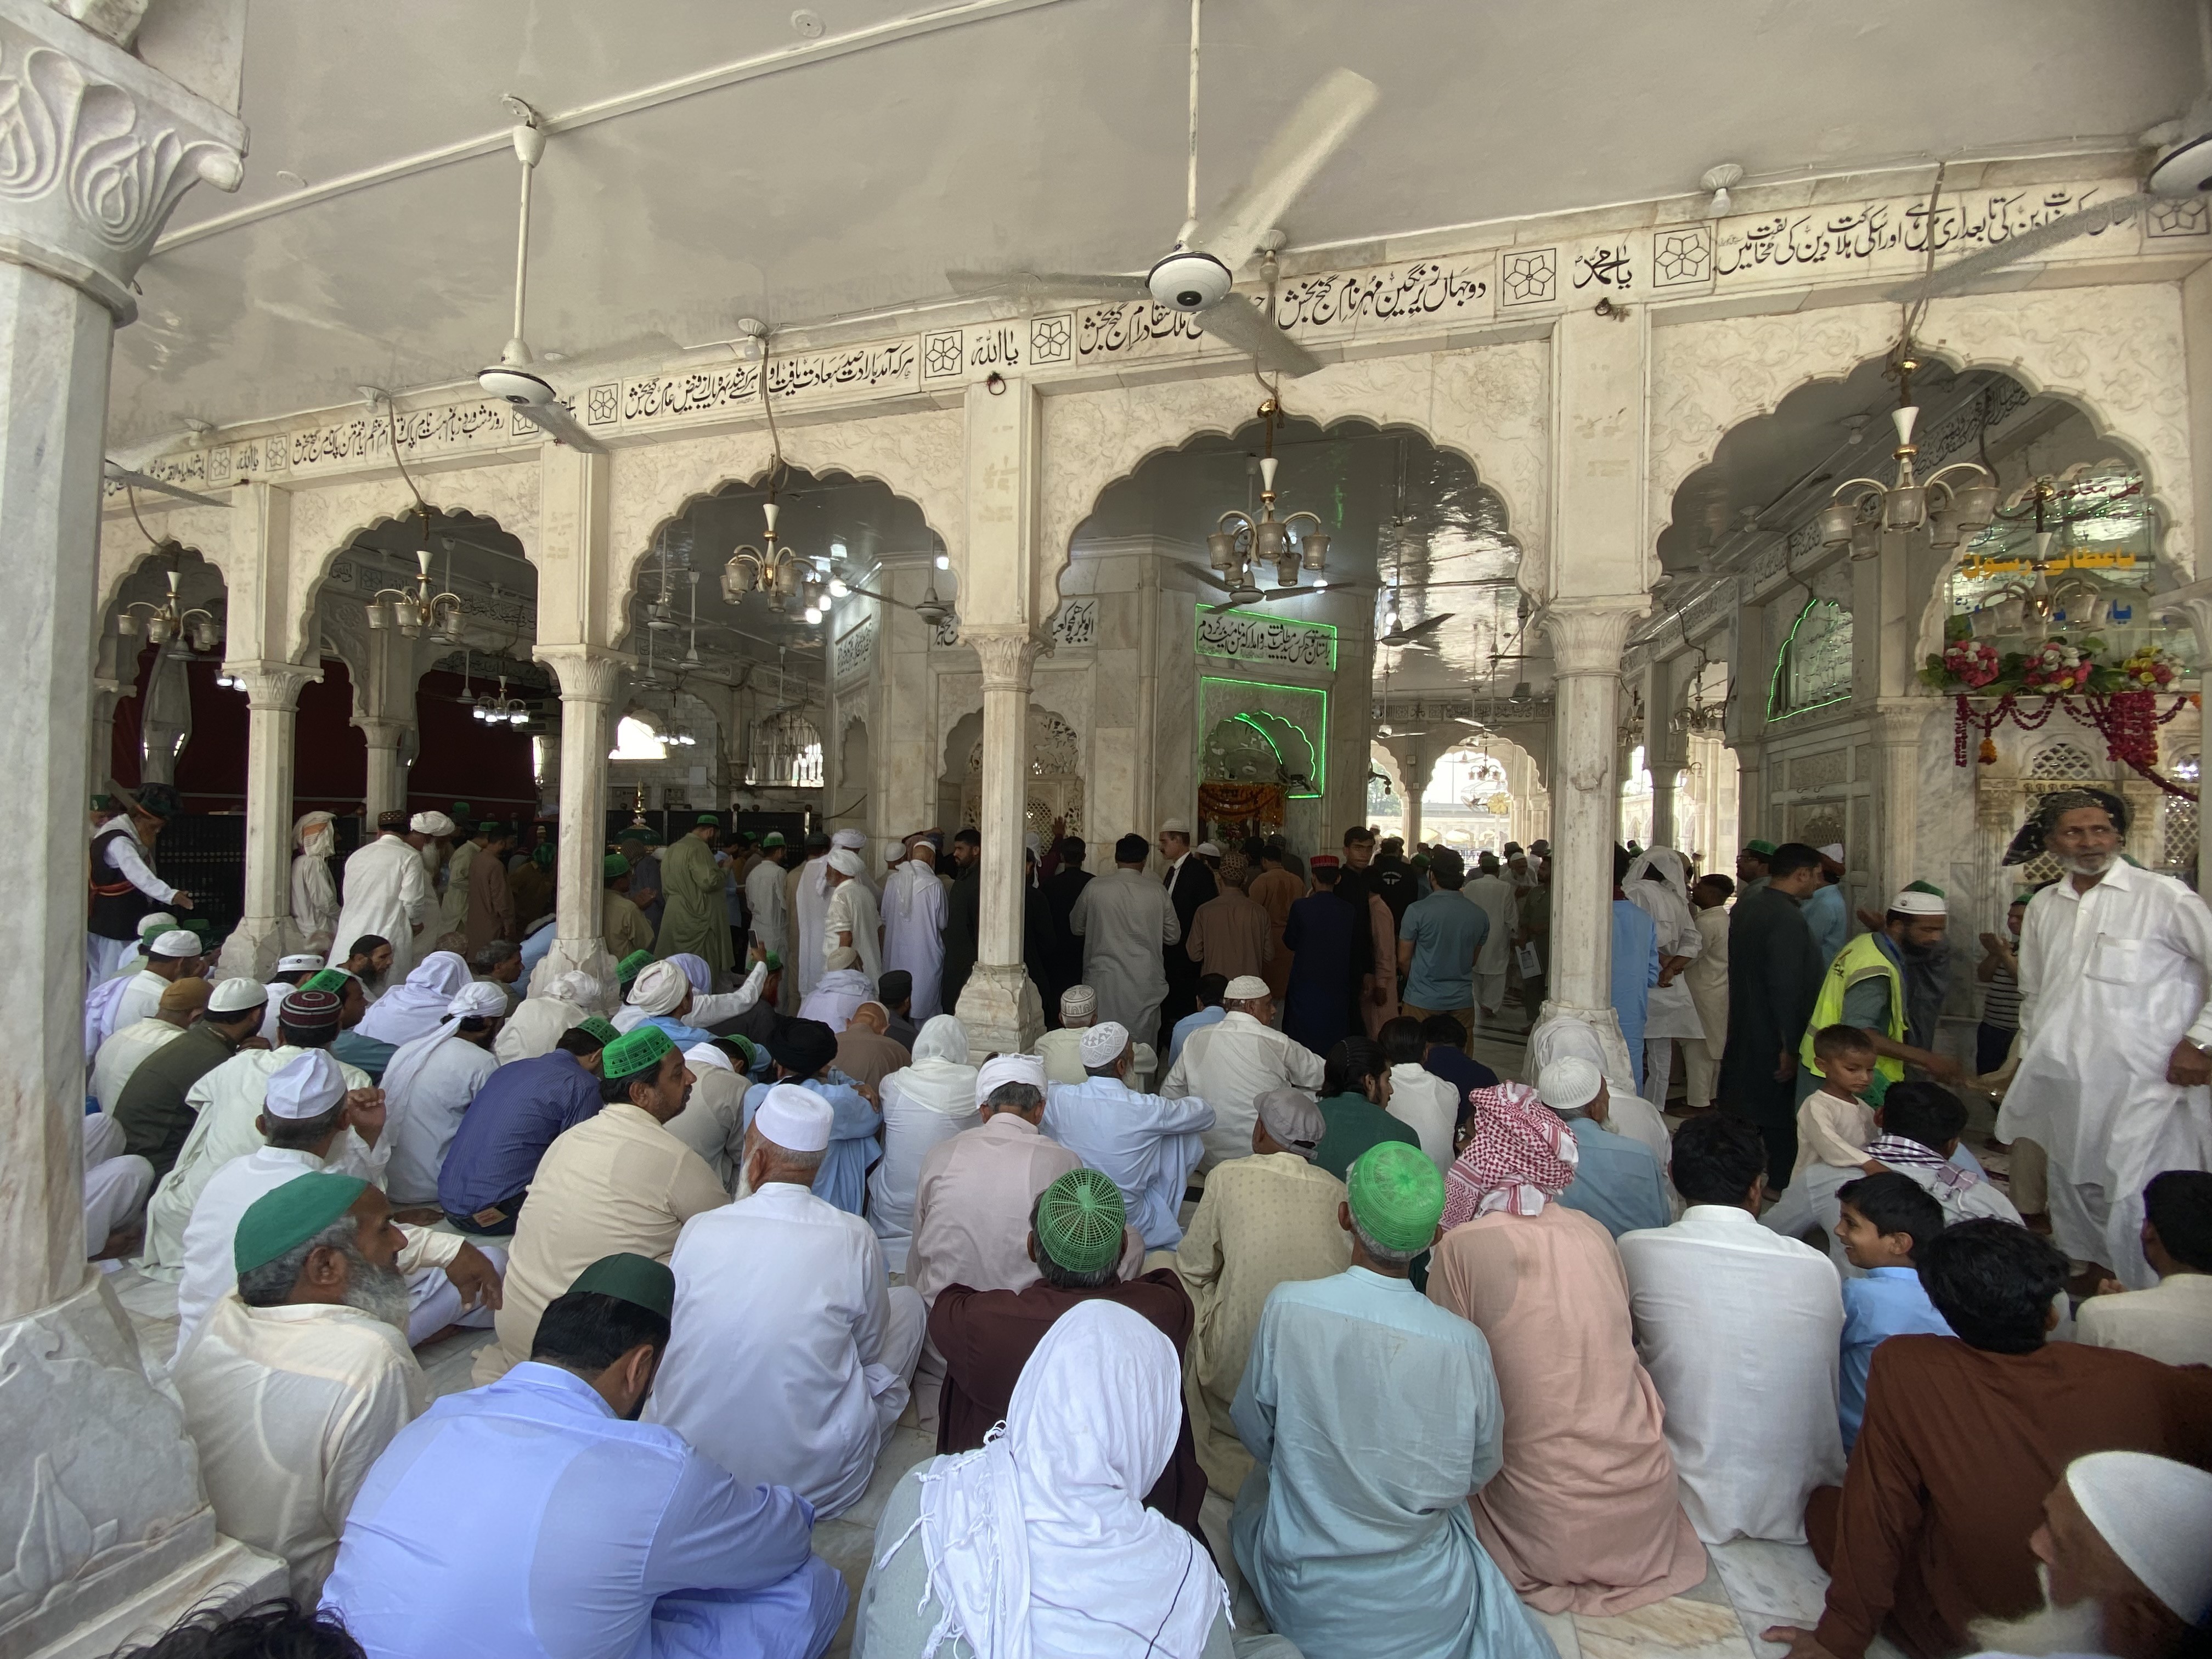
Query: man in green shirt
{"points": [[1354, 1090], [151, 1111]]}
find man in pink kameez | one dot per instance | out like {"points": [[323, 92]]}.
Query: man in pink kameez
{"points": [[1583, 1517]]}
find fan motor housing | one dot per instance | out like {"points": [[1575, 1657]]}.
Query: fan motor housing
{"points": [[515, 386], [2184, 170], [1189, 281]]}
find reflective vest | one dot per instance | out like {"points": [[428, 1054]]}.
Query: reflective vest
{"points": [[1864, 958]]}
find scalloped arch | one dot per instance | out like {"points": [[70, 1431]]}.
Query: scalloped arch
{"points": [[205, 531]]}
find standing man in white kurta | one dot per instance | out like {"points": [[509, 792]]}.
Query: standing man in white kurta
{"points": [[1124, 919], [764, 896], [913, 925], [1496, 898], [853, 922], [314, 895], [2114, 1027], [1658, 886], [789, 1354], [388, 893]]}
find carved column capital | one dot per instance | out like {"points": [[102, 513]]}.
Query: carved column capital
{"points": [[586, 673], [382, 733], [96, 148], [1007, 655], [272, 685], [1588, 635]]}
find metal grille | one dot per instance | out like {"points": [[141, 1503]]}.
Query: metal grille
{"points": [[2178, 843], [2063, 761]]}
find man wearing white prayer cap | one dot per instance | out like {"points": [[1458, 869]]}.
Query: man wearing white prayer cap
{"points": [[430, 1082], [1618, 1181], [291, 972], [1062, 1049], [852, 920], [783, 1303], [1232, 1062], [2125, 1562], [1824, 912], [388, 895], [1146, 1144], [1890, 984], [170, 956]]}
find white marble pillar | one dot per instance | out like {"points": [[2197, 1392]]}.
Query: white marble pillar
{"points": [[588, 678], [999, 1006], [1418, 762], [386, 788], [1900, 726], [264, 931]]}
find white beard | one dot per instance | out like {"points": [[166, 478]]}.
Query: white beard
{"points": [[379, 1292], [2048, 1630], [2089, 864]]}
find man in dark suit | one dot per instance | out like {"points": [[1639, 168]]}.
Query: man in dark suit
{"points": [[1190, 885]]}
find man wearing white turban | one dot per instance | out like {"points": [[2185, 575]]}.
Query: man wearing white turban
{"points": [[314, 895], [851, 921], [932, 1100], [388, 893], [913, 925], [430, 1082]]}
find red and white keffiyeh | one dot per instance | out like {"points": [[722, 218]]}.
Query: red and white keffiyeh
{"points": [[1519, 1155]]}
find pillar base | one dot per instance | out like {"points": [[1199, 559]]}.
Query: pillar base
{"points": [[100, 1489], [585, 956], [254, 946], [1605, 1023], [1000, 1010]]}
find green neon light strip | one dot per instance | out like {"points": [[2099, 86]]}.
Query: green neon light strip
{"points": [[1320, 751], [1782, 665], [1330, 629]]}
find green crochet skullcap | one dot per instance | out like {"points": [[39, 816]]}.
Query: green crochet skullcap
{"points": [[637, 1050], [333, 980], [288, 1216], [638, 1279], [1079, 1221], [1927, 887], [602, 1029], [744, 1046], [708, 821], [1396, 1196], [632, 965], [616, 864], [1763, 848]]}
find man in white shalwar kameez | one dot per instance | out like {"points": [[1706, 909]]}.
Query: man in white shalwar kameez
{"points": [[914, 927], [781, 1303], [2114, 1027], [1145, 1145], [314, 895], [171, 957], [1496, 897], [388, 893], [764, 896], [1658, 886], [811, 903], [1231, 1064], [123, 1053], [852, 920], [430, 1084], [1124, 918]]}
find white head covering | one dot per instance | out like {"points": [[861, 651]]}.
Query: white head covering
{"points": [[1834, 851], [797, 1119], [706, 1053], [308, 964], [235, 996], [315, 834], [1008, 1068], [2157, 1516], [701, 976], [1077, 1002], [1562, 1035], [1040, 1543], [1570, 1083], [1673, 868], [408, 1011], [660, 988], [1206, 849], [845, 861], [532, 1029], [1911, 903], [1176, 827], [941, 1077], [573, 986], [1245, 987], [1103, 1043], [478, 1000], [851, 839], [305, 1087], [431, 824], [177, 943], [842, 958]]}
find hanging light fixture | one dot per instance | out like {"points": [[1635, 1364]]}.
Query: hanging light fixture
{"points": [[165, 622], [776, 571], [439, 613], [1241, 543], [1947, 511], [501, 710]]}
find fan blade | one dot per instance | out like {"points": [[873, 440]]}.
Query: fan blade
{"points": [[1962, 273], [116, 473], [1227, 605], [1425, 624], [557, 422], [1226, 586], [1301, 146], [1040, 285], [870, 593], [1235, 321]]}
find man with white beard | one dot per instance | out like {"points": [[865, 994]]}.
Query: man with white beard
{"points": [[2115, 1025], [914, 924], [2124, 1559]]}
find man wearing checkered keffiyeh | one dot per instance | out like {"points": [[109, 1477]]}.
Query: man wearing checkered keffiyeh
{"points": [[1520, 1155]]}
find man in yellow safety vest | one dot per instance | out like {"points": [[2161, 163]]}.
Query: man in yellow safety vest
{"points": [[1865, 986]]}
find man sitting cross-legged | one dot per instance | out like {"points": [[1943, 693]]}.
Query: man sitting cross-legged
{"points": [[1076, 1228], [1231, 1063], [522, 1108], [1617, 1182], [300, 1376], [538, 1516], [1354, 1530], [1146, 1144]]}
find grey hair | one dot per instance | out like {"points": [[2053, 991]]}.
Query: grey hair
{"points": [[494, 953], [268, 1284], [1382, 1256], [1015, 1097]]}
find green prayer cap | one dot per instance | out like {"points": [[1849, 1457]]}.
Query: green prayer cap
{"points": [[461, 812], [637, 1279], [616, 864], [602, 1029], [542, 855], [1927, 887], [103, 803], [773, 838], [148, 930], [488, 828], [1764, 848], [637, 1050], [745, 1045], [641, 833], [291, 1215], [1396, 1196], [1080, 1218], [632, 965], [774, 962], [709, 820], [333, 980]]}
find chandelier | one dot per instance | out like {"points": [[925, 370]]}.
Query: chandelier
{"points": [[440, 613], [165, 622], [1240, 542], [778, 572], [500, 710], [1948, 512]]}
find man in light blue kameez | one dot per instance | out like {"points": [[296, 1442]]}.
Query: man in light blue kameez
{"points": [[1374, 1415]]}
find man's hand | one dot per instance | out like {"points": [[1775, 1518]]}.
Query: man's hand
{"points": [[415, 926], [182, 901], [643, 897], [256, 1042], [1945, 1067], [476, 1278], [2109, 1287], [755, 952], [1802, 1642], [1871, 920], [2190, 1065], [365, 1113]]}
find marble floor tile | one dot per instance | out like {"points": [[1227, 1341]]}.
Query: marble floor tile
{"points": [[1560, 1627], [449, 1364], [1777, 1579], [850, 1548], [1714, 1588], [1753, 1623], [1676, 1627], [141, 1294], [906, 1447]]}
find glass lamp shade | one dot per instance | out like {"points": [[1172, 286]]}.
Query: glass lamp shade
{"points": [[1905, 506], [1974, 507], [1221, 551], [1837, 520], [409, 623], [204, 636], [1866, 537], [157, 630], [786, 579], [128, 625], [1287, 570], [1943, 530], [378, 617], [1266, 540], [1314, 550]]}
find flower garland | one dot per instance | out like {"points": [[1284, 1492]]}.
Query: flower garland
{"points": [[2129, 721]]}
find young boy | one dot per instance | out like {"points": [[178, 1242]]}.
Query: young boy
{"points": [[1885, 1220], [1833, 1126], [1920, 1124]]}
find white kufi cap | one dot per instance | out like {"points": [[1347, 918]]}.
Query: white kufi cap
{"points": [[706, 1053], [797, 1119], [1569, 1082], [1103, 1043], [177, 944], [2157, 1516], [1245, 987], [305, 1087], [1911, 901], [1176, 827], [235, 996], [303, 964]]}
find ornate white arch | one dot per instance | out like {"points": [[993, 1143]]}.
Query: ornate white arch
{"points": [[2115, 352], [1490, 404], [123, 549]]}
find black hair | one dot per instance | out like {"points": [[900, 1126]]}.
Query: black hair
{"points": [[1791, 857], [1993, 1282], [1348, 1067], [585, 1331], [473, 1023], [1403, 1043], [1443, 1028], [248, 1019], [1358, 832], [1716, 880], [1925, 1112], [308, 1037], [1622, 858], [969, 835], [1448, 870], [1072, 850], [579, 1042], [299, 1134], [1057, 1275], [1212, 988], [269, 1629], [367, 944], [1717, 1158], [1326, 875], [1896, 1203], [1830, 1041], [1254, 849], [1273, 848], [615, 1090], [2178, 1203]]}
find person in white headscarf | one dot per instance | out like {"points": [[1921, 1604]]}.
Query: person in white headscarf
{"points": [[842, 988], [932, 1100], [812, 908], [387, 891], [913, 925], [1562, 1037], [713, 1120], [852, 920], [414, 1007], [708, 1008], [1040, 1542], [430, 1082], [537, 1024], [314, 895], [1658, 886]]}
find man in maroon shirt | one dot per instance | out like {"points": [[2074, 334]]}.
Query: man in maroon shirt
{"points": [[988, 1336]]}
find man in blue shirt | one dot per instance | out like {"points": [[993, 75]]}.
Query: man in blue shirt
{"points": [[1886, 1219], [1212, 988], [581, 1529], [803, 1051], [1437, 943], [1617, 1182], [515, 1117], [1635, 965]]}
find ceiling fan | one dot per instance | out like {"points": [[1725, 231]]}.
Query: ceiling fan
{"points": [[115, 472], [1197, 277], [1412, 636], [1243, 592]]}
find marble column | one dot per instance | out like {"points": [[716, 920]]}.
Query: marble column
{"points": [[1417, 764], [1586, 637], [588, 678], [2192, 606], [999, 1006], [264, 931], [105, 1528], [385, 789], [1900, 725]]}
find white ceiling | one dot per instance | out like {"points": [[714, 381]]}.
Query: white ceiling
{"points": [[1050, 137]]}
